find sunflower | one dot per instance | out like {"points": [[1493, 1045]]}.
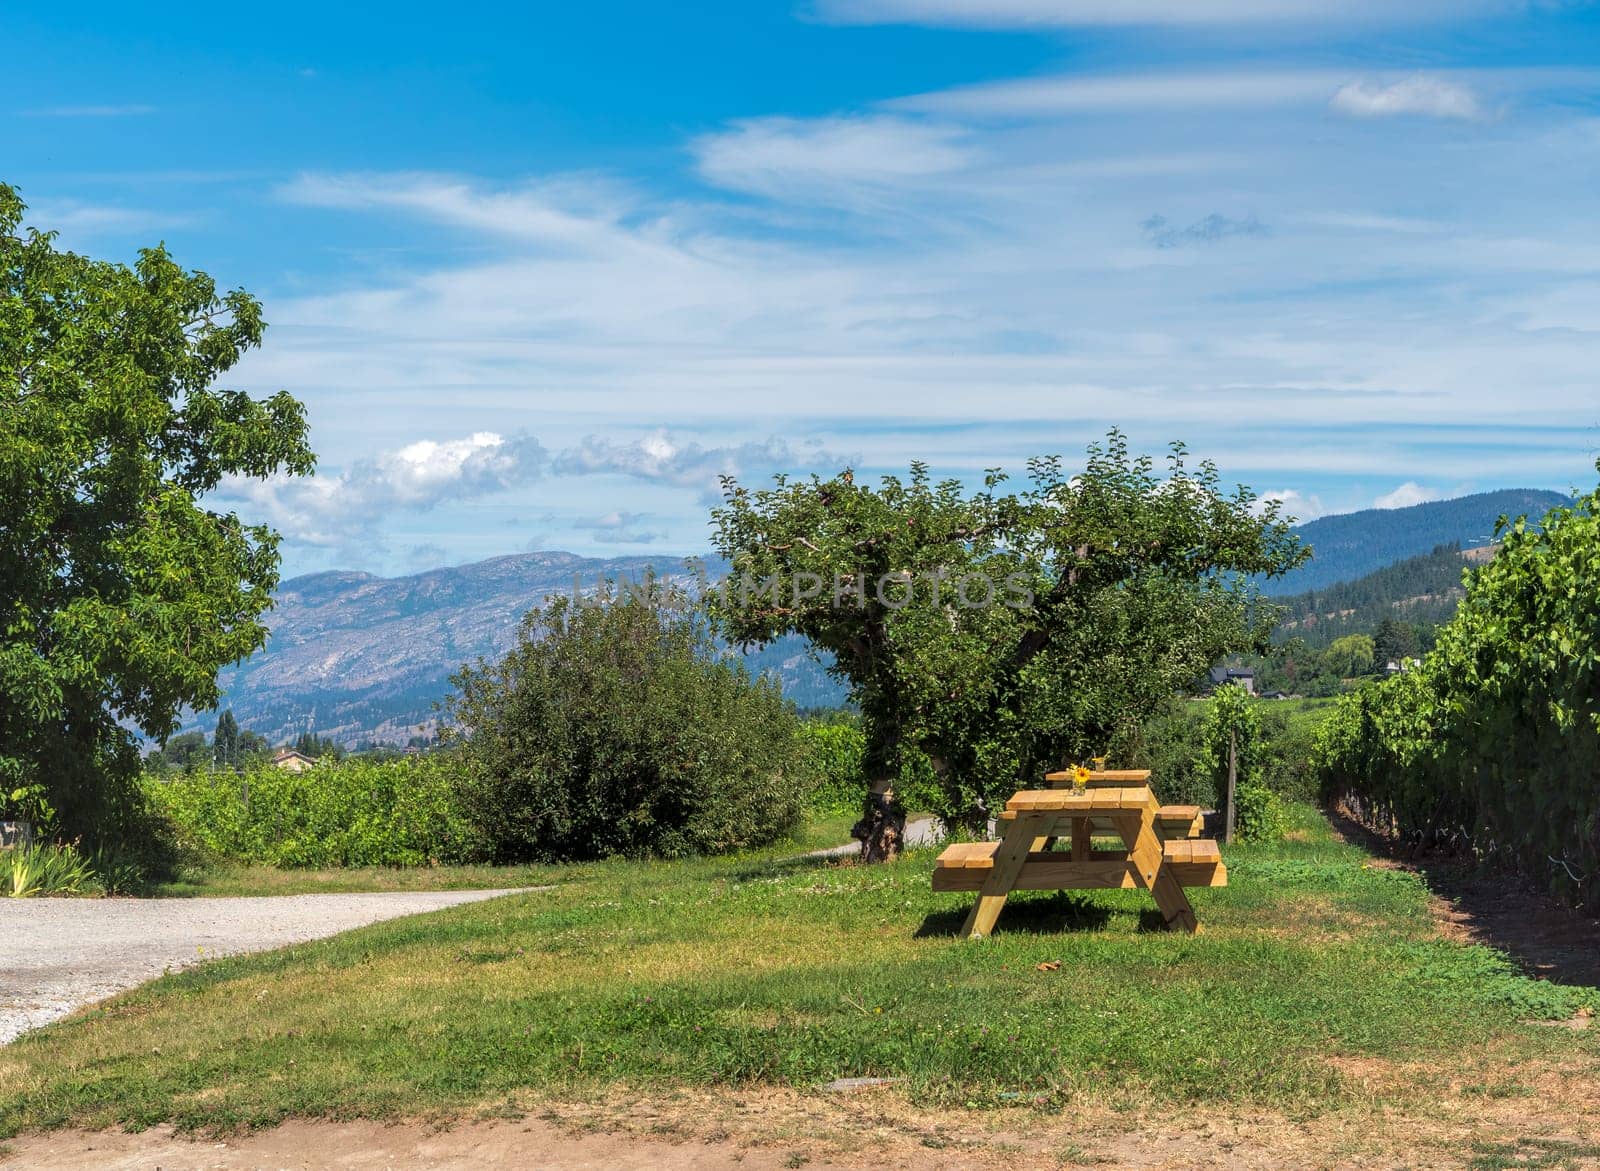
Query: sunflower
{"points": [[1080, 777]]}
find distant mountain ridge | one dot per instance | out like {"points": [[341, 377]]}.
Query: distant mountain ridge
{"points": [[360, 657], [1355, 544]]}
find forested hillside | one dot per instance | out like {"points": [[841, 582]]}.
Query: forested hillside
{"points": [[1354, 544], [1421, 591]]}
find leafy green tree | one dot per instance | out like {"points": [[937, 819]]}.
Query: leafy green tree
{"points": [[1349, 656], [225, 741], [121, 594], [187, 751], [987, 637], [618, 727]]}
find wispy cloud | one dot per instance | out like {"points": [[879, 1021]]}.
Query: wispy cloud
{"points": [[665, 459], [1079, 94], [76, 218], [619, 528], [1433, 97], [108, 111], [1070, 13], [1208, 230], [789, 158]]}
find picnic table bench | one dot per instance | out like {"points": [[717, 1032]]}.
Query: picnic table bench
{"points": [[1162, 851]]}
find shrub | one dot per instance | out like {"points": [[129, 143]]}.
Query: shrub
{"points": [[617, 727], [1258, 814], [836, 752], [348, 813]]}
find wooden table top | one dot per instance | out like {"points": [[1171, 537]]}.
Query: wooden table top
{"points": [[1104, 800]]}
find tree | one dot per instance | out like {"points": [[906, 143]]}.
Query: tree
{"points": [[618, 727], [1349, 656], [986, 637], [225, 741], [308, 743], [121, 593], [1393, 641]]}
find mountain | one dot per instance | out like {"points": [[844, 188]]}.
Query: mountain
{"points": [[1354, 544], [358, 657], [1421, 590]]}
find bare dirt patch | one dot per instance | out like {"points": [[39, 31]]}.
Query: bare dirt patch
{"points": [[768, 1129]]}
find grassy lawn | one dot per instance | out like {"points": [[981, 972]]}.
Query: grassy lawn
{"points": [[765, 970]]}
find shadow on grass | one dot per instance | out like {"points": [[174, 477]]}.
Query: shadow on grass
{"points": [[1059, 913], [1548, 939]]}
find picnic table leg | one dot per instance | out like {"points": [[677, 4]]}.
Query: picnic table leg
{"points": [[1150, 871], [1082, 838], [1009, 858]]}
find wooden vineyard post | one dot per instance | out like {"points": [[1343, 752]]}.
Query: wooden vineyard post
{"points": [[1233, 776]]}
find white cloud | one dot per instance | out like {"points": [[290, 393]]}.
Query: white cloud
{"points": [[619, 528], [1431, 96], [1294, 505], [663, 459], [790, 157], [1406, 495], [343, 510], [1077, 94], [1046, 13]]}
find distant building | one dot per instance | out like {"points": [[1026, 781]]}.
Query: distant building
{"points": [[293, 761], [1221, 676]]}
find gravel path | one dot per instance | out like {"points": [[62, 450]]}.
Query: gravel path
{"points": [[57, 955]]}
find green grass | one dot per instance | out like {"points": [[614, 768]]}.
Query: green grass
{"points": [[236, 880], [762, 969]]}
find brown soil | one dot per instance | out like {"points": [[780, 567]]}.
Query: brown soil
{"points": [[874, 1129]]}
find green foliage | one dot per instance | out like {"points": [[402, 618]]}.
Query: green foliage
{"points": [[837, 753], [1258, 814], [315, 746], [1112, 588], [616, 727], [1350, 655], [352, 813], [121, 594], [44, 869], [1495, 741], [1232, 722]]}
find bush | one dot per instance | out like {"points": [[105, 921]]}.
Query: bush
{"points": [[349, 813], [1258, 814], [836, 752], [618, 728]]}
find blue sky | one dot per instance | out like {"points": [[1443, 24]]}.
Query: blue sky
{"points": [[540, 275]]}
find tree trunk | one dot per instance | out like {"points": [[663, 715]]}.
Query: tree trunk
{"points": [[882, 828]]}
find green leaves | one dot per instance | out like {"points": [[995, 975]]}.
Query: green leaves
{"points": [[120, 593], [986, 637], [1487, 743]]}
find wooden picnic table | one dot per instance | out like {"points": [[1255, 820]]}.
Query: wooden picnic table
{"points": [[1162, 850]]}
